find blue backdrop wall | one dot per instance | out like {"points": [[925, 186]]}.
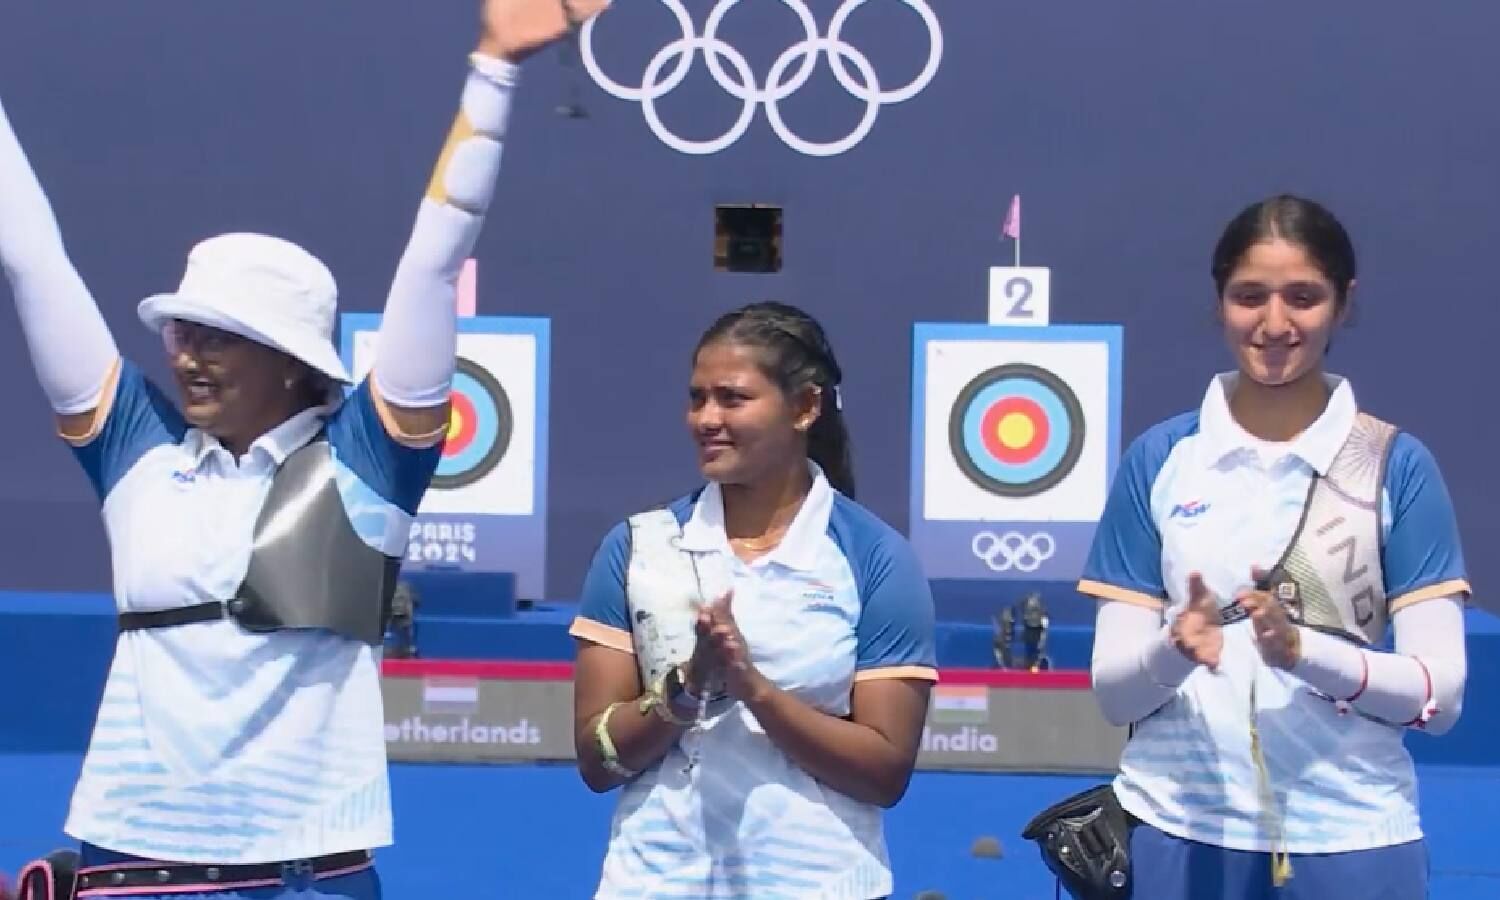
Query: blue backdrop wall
{"points": [[1132, 130]]}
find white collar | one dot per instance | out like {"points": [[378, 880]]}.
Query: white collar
{"points": [[704, 530], [1316, 446], [277, 444]]}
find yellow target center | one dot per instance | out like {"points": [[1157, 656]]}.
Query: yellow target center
{"points": [[1015, 430], [455, 423]]}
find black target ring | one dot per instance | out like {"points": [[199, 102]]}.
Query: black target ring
{"points": [[1016, 399], [480, 429]]}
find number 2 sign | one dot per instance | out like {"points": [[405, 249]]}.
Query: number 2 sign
{"points": [[1020, 295]]}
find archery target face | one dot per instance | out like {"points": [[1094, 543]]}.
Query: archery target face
{"points": [[488, 462], [479, 428], [1015, 430]]}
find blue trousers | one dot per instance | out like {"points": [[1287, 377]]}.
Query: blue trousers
{"points": [[1164, 867], [361, 885]]}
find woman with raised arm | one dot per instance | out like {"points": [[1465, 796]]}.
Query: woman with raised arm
{"points": [[256, 527]]}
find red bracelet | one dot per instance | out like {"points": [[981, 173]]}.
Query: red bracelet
{"points": [[1429, 708], [1347, 703]]}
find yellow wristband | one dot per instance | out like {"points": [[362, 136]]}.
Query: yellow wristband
{"points": [[607, 752]]}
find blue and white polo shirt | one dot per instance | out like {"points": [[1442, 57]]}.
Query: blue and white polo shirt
{"points": [[1198, 493], [842, 599], [213, 744]]}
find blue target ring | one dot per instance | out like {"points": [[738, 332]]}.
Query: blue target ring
{"points": [[480, 431], [1016, 430]]}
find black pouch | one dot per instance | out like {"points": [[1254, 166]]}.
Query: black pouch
{"points": [[1085, 841]]}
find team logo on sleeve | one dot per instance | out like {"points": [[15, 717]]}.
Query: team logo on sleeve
{"points": [[479, 428], [1016, 430]]}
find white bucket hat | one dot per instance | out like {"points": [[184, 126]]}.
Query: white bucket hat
{"points": [[262, 288]]}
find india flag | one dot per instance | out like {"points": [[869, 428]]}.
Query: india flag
{"points": [[450, 696], [961, 703]]}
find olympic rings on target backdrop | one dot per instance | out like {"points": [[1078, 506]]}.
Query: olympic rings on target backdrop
{"points": [[791, 70], [1016, 430], [479, 430]]}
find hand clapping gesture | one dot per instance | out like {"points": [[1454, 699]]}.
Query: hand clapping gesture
{"points": [[725, 651], [1276, 635], [1198, 631]]}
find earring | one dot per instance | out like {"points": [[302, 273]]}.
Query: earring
{"points": [[290, 383]]}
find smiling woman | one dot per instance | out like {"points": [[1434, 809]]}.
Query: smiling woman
{"points": [[240, 379], [1251, 557], [755, 659], [257, 528]]}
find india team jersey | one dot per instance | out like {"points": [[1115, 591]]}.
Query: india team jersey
{"points": [[213, 744], [1197, 493], [840, 600]]}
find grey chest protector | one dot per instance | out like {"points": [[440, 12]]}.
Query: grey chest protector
{"points": [[308, 568]]}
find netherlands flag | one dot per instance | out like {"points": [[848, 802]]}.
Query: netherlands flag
{"points": [[447, 695]]}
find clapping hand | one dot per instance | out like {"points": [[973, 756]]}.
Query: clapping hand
{"points": [[1276, 636], [1198, 631], [718, 628]]}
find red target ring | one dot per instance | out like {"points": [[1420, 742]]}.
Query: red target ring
{"points": [[1015, 430], [463, 424]]}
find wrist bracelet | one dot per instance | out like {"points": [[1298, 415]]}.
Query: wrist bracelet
{"points": [[1346, 704], [1429, 706]]}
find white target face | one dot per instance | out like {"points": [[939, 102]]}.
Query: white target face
{"points": [[488, 465], [1015, 430]]}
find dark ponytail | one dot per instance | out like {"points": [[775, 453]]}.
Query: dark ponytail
{"points": [[796, 354], [828, 445]]}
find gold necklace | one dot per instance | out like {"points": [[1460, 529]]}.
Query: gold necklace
{"points": [[757, 546]]}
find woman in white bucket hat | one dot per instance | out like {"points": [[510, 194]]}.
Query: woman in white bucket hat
{"points": [[239, 748]]}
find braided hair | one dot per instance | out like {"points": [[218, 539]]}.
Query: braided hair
{"points": [[795, 354]]}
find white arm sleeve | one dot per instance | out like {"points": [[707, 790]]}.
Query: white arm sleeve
{"points": [[1136, 670], [1424, 678], [418, 339], [71, 347]]}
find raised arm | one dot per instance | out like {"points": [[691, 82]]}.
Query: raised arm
{"points": [[417, 343], [71, 348]]}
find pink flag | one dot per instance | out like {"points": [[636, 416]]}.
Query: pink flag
{"points": [[468, 289], [1012, 226]]}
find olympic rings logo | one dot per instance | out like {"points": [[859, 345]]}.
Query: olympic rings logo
{"points": [[779, 85], [1013, 550]]}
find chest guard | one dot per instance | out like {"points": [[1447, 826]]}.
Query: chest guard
{"points": [[308, 568], [1330, 577]]}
